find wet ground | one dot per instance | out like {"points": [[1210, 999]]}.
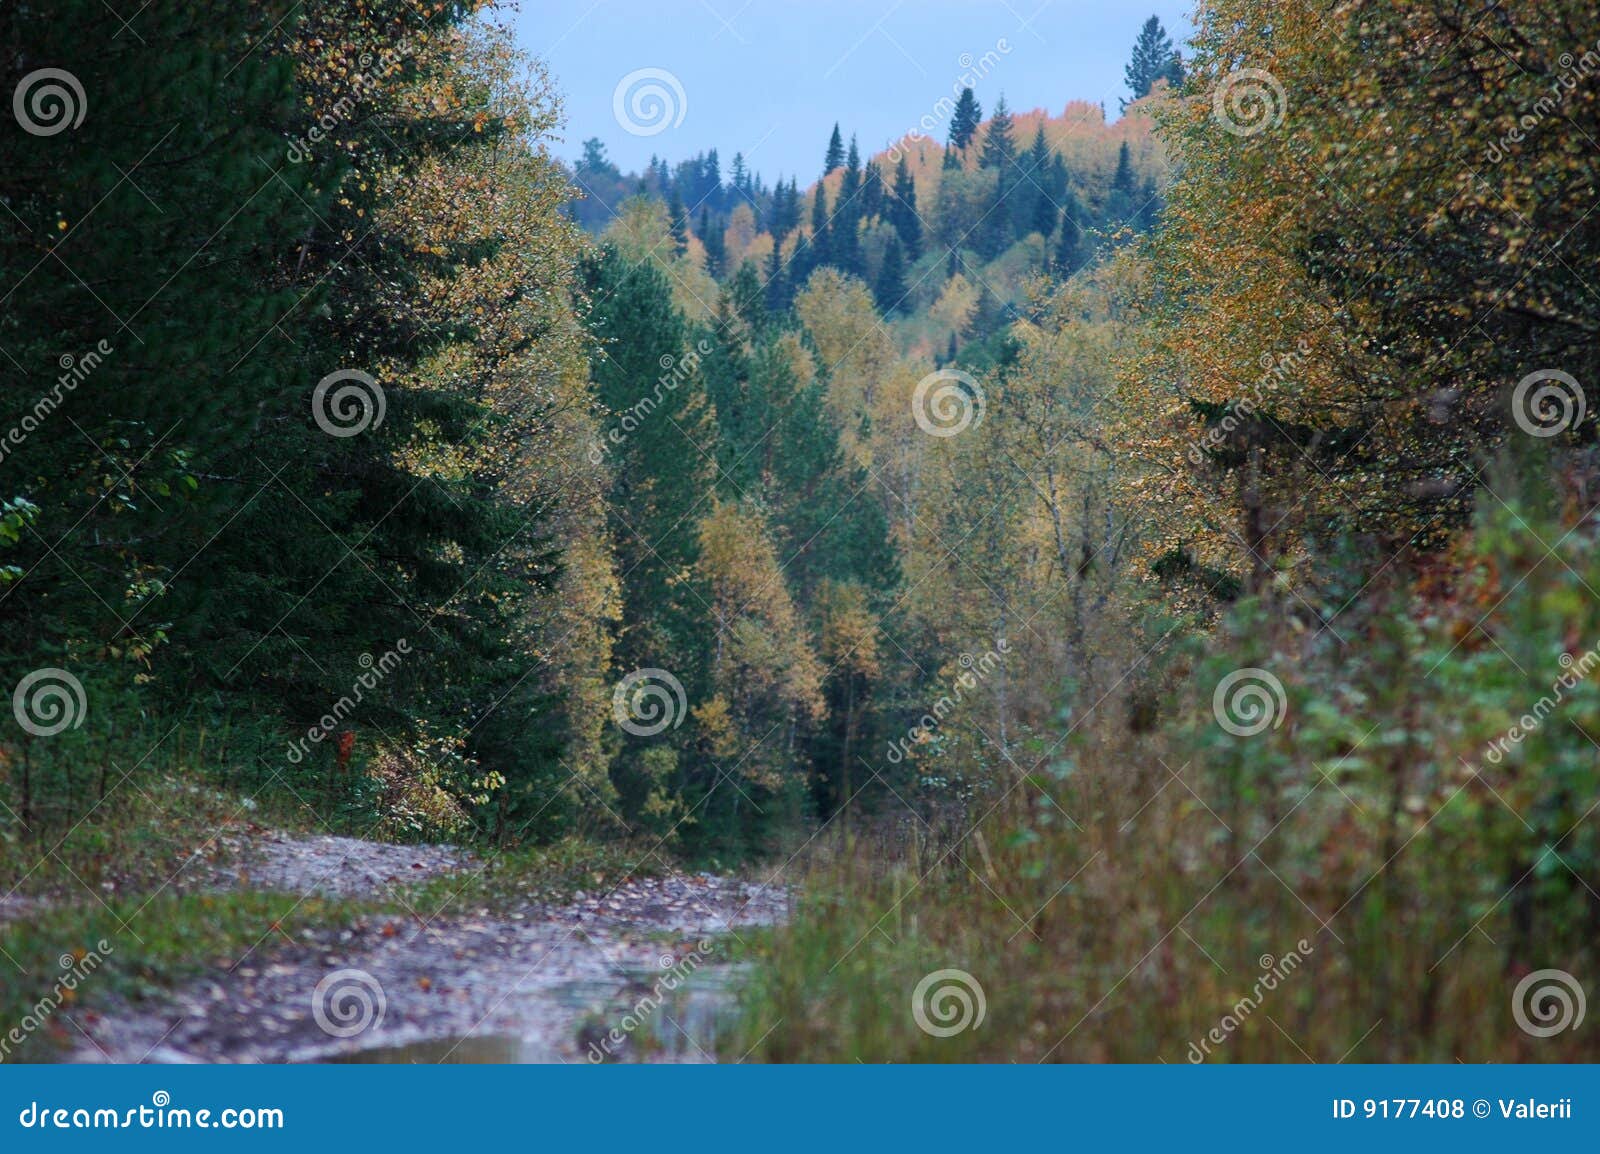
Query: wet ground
{"points": [[624, 974]]}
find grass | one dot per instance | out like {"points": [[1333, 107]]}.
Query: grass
{"points": [[1141, 930], [132, 949], [128, 899], [506, 882]]}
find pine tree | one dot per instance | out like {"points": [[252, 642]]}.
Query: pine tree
{"points": [[1072, 251], [1122, 202], [715, 243], [660, 479], [779, 220], [964, 124], [595, 160], [846, 232], [999, 149], [775, 276], [711, 185], [835, 157], [1042, 199], [1123, 181], [890, 289], [821, 240], [746, 297], [678, 217], [903, 210], [994, 233], [873, 196], [1045, 214], [1037, 163], [1154, 58]]}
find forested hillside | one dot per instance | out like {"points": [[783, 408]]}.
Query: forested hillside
{"points": [[1099, 553]]}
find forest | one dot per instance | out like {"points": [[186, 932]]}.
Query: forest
{"points": [[1120, 584]]}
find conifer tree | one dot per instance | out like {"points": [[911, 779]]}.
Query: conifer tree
{"points": [[1041, 199], [845, 253], [715, 245], [779, 216], [873, 195], [660, 476], [821, 239], [999, 149], [1071, 252], [776, 281], [903, 210], [835, 155], [1154, 58], [1123, 181], [964, 123], [678, 219], [890, 289]]}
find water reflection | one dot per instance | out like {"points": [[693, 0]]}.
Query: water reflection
{"points": [[682, 1027]]}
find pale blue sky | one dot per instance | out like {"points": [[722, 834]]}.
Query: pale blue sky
{"points": [[770, 77]]}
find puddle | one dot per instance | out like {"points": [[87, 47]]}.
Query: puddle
{"points": [[470, 1051], [636, 1022]]}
